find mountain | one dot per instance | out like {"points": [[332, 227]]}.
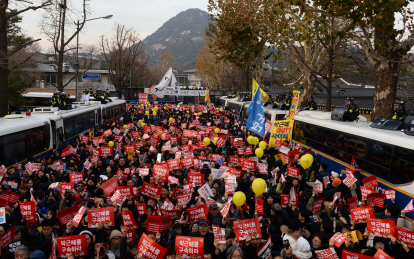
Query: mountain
{"points": [[181, 36]]}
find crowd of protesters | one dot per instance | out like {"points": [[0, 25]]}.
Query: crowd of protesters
{"points": [[295, 229]]}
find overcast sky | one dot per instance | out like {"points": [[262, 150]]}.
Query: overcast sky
{"points": [[145, 16]]}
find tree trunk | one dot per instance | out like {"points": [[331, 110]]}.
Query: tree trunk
{"points": [[60, 71], [329, 95], [386, 80], [307, 89], [119, 92], [4, 65]]}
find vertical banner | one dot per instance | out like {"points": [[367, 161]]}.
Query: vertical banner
{"points": [[293, 106], [281, 131]]}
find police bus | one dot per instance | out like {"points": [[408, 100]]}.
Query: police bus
{"points": [[386, 154], [48, 128]]}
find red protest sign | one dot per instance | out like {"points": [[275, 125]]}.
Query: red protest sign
{"points": [[143, 171], [101, 215], [78, 217], [127, 191], [339, 239], [110, 186], [193, 247], [197, 179], [76, 177], [318, 187], [259, 206], [365, 191], [350, 255], [197, 213], [268, 126], [143, 98], [245, 227], [7, 237], [150, 190], [131, 236], [327, 254], [173, 163], [371, 181], [187, 161], [157, 224], [67, 214], [150, 249], [362, 214], [249, 165], [353, 202], [234, 160], [390, 194], [161, 171], [106, 151], [318, 204], [376, 199], [262, 168], [405, 235], [236, 172], [141, 207], [293, 171], [68, 245], [326, 180], [284, 200], [129, 220], [183, 199], [173, 214], [381, 255], [381, 227], [84, 138], [28, 209], [66, 186]]}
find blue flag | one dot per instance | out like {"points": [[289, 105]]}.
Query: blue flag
{"points": [[256, 121]]}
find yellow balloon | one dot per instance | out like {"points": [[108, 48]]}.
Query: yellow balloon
{"points": [[215, 140], [140, 121], [259, 152], [171, 119], [154, 113], [255, 141], [111, 143], [143, 124], [147, 113], [125, 126], [148, 103], [188, 111], [217, 130], [142, 105], [250, 140], [206, 141], [306, 161], [259, 186], [155, 108], [262, 145], [239, 199]]}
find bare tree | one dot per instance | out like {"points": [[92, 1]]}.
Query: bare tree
{"points": [[57, 19], [9, 10], [123, 52], [166, 59]]}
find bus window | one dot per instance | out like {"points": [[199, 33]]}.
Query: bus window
{"points": [[78, 125], [92, 119], [14, 148], [37, 140], [85, 121], [325, 140], [402, 166], [69, 128]]}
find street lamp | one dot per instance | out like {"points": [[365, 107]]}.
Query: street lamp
{"points": [[77, 48]]}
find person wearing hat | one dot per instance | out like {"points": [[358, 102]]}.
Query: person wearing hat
{"points": [[115, 243], [213, 212], [203, 226], [37, 255], [89, 240]]}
